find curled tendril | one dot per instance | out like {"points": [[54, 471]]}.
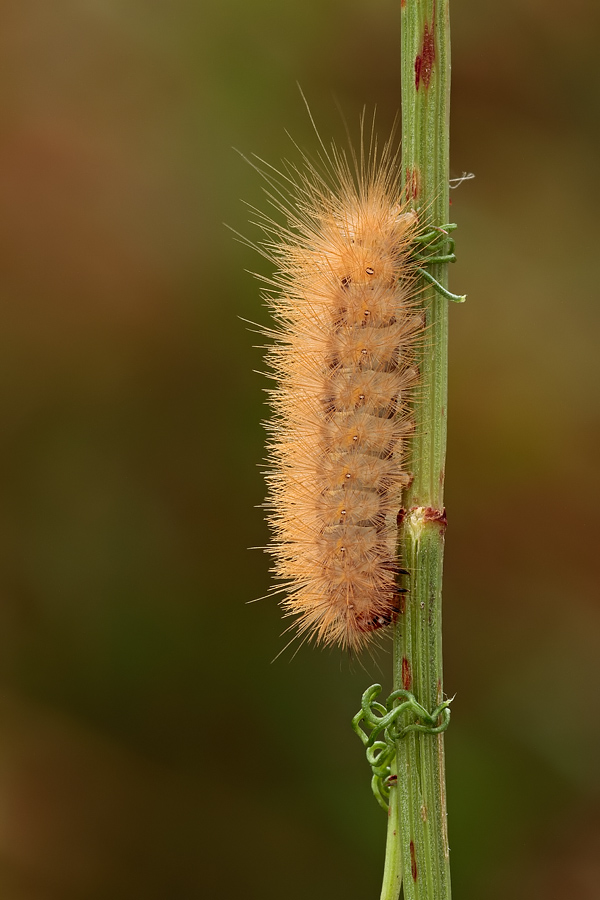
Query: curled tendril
{"points": [[384, 721], [437, 248]]}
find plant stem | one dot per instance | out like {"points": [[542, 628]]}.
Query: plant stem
{"points": [[420, 795], [392, 873]]}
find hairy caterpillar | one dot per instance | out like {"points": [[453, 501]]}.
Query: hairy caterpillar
{"points": [[344, 302]]}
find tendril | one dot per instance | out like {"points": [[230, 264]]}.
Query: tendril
{"points": [[435, 247], [383, 722]]}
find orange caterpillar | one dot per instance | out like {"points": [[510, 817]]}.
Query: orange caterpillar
{"points": [[344, 304]]}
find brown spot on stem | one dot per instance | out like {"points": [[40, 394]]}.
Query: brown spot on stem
{"points": [[436, 515], [426, 58], [413, 182], [406, 674], [400, 517], [413, 861]]}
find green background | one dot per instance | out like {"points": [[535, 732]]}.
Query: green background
{"points": [[148, 746]]}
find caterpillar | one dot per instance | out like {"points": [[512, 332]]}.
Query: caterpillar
{"points": [[344, 302]]}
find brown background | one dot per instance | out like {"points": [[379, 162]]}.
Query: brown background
{"points": [[148, 747]]}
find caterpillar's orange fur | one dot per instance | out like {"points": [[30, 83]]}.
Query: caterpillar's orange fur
{"points": [[344, 302]]}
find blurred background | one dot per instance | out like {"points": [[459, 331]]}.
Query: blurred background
{"points": [[149, 748]]}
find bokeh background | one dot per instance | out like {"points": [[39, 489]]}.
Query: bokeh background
{"points": [[149, 748]]}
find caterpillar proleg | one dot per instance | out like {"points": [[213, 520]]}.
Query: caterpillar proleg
{"points": [[347, 324]]}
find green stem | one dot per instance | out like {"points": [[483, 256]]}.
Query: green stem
{"points": [[421, 842], [392, 873]]}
